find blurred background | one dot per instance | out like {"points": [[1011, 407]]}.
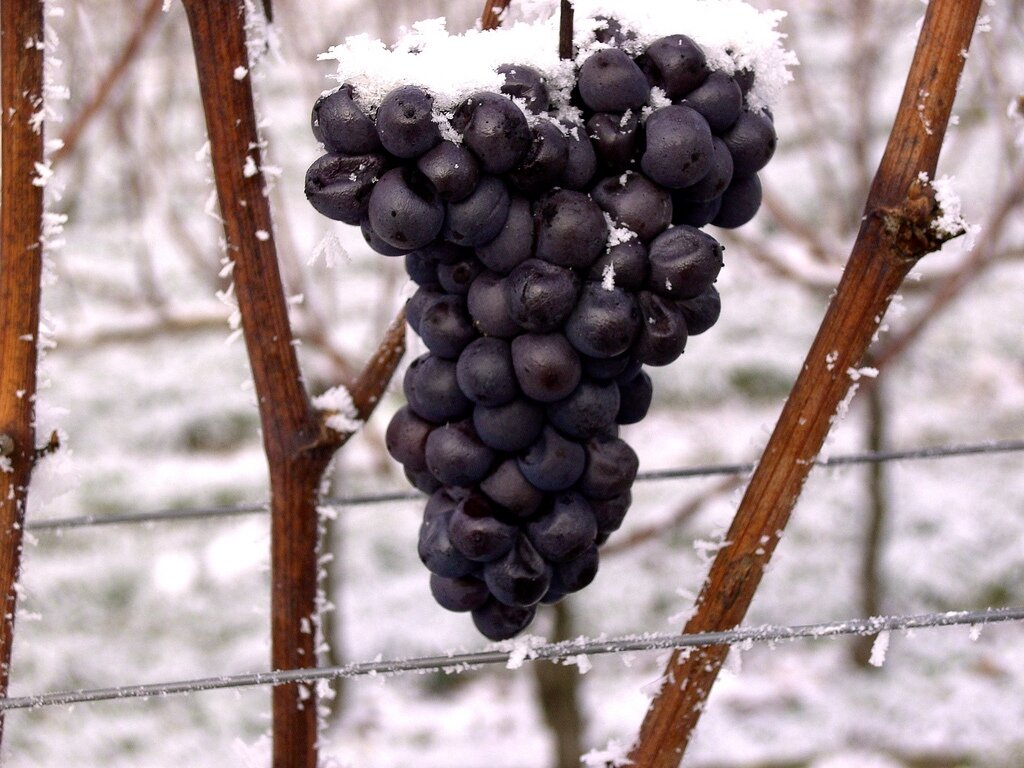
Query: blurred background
{"points": [[151, 390]]}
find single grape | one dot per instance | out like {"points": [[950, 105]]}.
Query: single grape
{"points": [[610, 81], [422, 481], [566, 531], [488, 306], [405, 122], [421, 269], [740, 203], [511, 427], [339, 186], [432, 390], [676, 64], [611, 468], [507, 488], [547, 368], [635, 397], [679, 149], [442, 502], [479, 218], [514, 243], [425, 295], [605, 368], [477, 533], [574, 575], [405, 210], [458, 595], [452, 170], [684, 262], [341, 125], [456, 456], [702, 311], [714, 183], [751, 140], [445, 326], [437, 552], [581, 163], [609, 513], [662, 337], [571, 229], [485, 372], [615, 140], [520, 577], [541, 295], [376, 243], [526, 83], [604, 322], [406, 439], [635, 203], [719, 99], [586, 412], [623, 265], [694, 214], [545, 161], [494, 129], [457, 278], [553, 463], [497, 621]]}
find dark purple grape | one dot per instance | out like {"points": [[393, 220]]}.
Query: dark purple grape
{"points": [[609, 513], [701, 312], [676, 64], [635, 203], [452, 170], [507, 488], [421, 269], [630, 371], [586, 412], [511, 427], [432, 390], [547, 367], [719, 99], [458, 595], [740, 203], [715, 181], [545, 161], [405, 122], [485, 372], [497, 621], [662, 337], [624, 265], [494, 129], [422, 481], [406, 439], [479, 218], [405, 210], [604, 322], [437, 551], [582, 160], [679, 149], [339, 186], [376, 243], [576, 574], [441, 502], [445, 326], [342, 126], [605, 368], [571, 229], [611, 468], [752, 143], [541, 295], [610, 81], [615, 139], [566, 531], [635, 398], [520, 578], [456, 456], [477, 533], [424, 296], [526, 83], [694, 214], [446, 253], [684, 262], [553, 463], [488, 306], [514, 244], [458, 277]]}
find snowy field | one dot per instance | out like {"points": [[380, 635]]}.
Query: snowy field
{"points": [[156, 409]]}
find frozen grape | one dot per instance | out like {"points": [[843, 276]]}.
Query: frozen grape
{"points": [[459, 595], [406, 439], [581, 163], [425, 295], [432, 390], [494, 129], [623, 265], [635, 397], [341, 126], [376, 243], [511, 427], [611, 468], [739, 203], [520, 577], [405, 122], [714, 183], [545, 160], [485, 372], [445, 326], [751, 140], [610, 81], [609, 513], [541, 295], [679, 149], [507, 488], [605, 368], [489, 308], [635, 203], [566, 531], [479, 218], [339, 186], [684, 262], [615, 140], [514, 243], [663, 335], [702, 311], [604, 322], [422, 481], [405, 210], [574, 575], [553, 463], [458, 277], [421, 269], [675, 64], [437, 552], [477, 533], [526, 83], [694, 214], [719, 99], [452, 170], [456, 456], [586, 412], [571, 229], [497, 621], [547, 368]]}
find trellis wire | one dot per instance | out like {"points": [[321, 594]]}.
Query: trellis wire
{"points": [[710, 470], [519, 651]]}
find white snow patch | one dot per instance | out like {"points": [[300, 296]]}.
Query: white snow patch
{"points": [[615, 754], [344, 417], [250, 168], [330, 250], [262, 235], [608, 277], [520, 649], [879, 649], [241, 72]]}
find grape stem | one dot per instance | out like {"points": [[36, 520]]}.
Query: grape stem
{"points": [[565, 30], [21, 262], [896, 232]]}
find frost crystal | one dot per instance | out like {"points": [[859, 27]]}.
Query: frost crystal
{"points": [[879, 649], [616, 754], [344, 417]]}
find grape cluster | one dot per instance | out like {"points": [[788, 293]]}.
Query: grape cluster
{"points": [[554, 259]]}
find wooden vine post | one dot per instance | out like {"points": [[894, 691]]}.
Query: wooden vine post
{"points": [[21, 261], [897, 230], [297, 442]]}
